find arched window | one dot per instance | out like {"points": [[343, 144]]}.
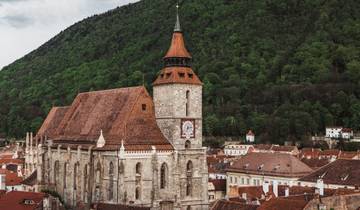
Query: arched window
{"points": [[138, 169], [76, 169], [163, 176], [189, 174], [137, 193], [187, 144], [187, 102], [85, 182], [65, 174], [56, 172], [111, 181]]}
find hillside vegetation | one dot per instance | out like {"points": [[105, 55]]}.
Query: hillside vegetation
{"points": [[284, 68]]}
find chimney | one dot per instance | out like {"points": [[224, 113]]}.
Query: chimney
{"points": [[243, 195], [275, 188], [320, 186], [265, 187], [287, 191]]}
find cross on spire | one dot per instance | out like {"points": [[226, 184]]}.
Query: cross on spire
{"points": [[177, 24]]}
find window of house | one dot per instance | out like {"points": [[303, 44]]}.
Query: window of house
{"points": [[143, 107]]}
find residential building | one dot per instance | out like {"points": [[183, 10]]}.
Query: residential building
{"points": [[237, 149], [255, 169], [250, 137], [217, 189], [342, 173]]}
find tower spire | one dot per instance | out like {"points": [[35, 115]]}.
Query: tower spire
{"points": [[177, 24]]}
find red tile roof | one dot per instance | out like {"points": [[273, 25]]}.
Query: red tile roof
{"points": [[315, 163], [14, 200], [232, 205], [339, 172], [11, 161], [250, 133], [182, 75], [117, 112], [177, 48], [282, 203], [271, 164], [11, 178], [219, 184]]}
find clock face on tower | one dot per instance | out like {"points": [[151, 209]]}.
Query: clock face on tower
{"points": [[187, 128]]}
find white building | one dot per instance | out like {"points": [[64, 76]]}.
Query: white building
{"points": [[339, 132], [250, 137], [237, 149]]}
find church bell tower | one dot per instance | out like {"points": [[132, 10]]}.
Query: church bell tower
{"points": [[178, 96]]}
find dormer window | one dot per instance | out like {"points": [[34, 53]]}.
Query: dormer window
{"points": [[162, 75], [190, 76], [143, 107], [29, 202], [168, 75], [182, 75]]}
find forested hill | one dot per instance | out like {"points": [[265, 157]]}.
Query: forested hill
{"points": [[284, 68]]}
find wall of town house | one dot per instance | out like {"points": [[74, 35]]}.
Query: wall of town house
{"points": [[240, 180]]}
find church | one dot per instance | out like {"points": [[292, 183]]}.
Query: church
{"points": [[123, 146]]}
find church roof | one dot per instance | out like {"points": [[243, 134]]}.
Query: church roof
{"points": [[182, 75], [177, 48], [122, 114]]}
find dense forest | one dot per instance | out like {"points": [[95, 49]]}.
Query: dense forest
{"points": [[284, 68]]}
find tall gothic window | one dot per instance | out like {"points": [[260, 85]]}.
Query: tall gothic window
{"points": [[85, 182], [98, 174], [137, 193], [56, 172], [76, 169], [111, 181], [163, 176], [187, 102], [65, 174], [189, 174]]}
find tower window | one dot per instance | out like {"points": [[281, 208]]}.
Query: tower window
{"points": [[187, 144], [187, 102], [138, 169], [143, 107]]}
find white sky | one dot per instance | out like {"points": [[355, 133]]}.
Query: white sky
{"points": [[27, 24]]}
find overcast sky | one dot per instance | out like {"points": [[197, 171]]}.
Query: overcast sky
{"points": [[27, 24]]}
